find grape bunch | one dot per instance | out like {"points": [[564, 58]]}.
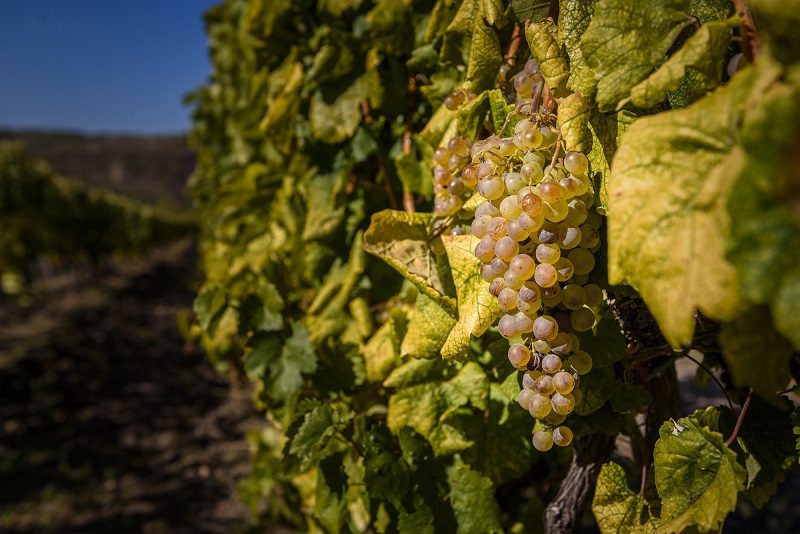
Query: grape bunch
{"points": [[448, 162], [537, 237]]}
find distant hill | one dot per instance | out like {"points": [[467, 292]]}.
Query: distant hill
{"points": [[152, 169]]}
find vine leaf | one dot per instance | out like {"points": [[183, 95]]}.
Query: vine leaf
{"points": [[470, 40], [543, 42], [472, 499], [281, 365], [626, 40], [477, 308], [382, 351], [697, 475], [315, 432], [428, 327], [767, 373], [667, 221], [403, 241], [573, 19], [703, 53], [616, 508], [335, 117], [607, 132], [529, 9], [573, 121]]}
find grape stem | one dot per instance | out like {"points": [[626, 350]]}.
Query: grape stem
{"points": [[556, 150], [513, 46], [702, 366], [408, 197], [751, 43], [739, 420]]}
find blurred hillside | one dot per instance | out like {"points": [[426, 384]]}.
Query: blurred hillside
{"points": [[152, 169]]}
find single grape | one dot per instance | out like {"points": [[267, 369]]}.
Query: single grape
{"points": [[523, 323], [532, 205], [509, 208], [514, 182], [519, 355], [563, 404], [561, 344], [545, 275], [529, 308], [571, 186], [541, 346], [554, 418], [576, 343], [551, 363], [531, 172], [512, 280], [496, 227], [441, 175], [529, 377], [522, 266], [564, 269], [545, 327], [516, 232], [552, 301], [446, 204], [507, 299], [583, 185], [457, 188], [524, 398], [591, 237], [569, 237], [594, 296], [523, 126], [506, 248], [507, 327], [581, 319], [580, 279], [487, 208], [534, 156], [485, 170], [480, 225], [562, 436], [441, 156], [542, 440], [582, 260], [551, 191], [548, 233], [581, 362], [529, 293], [488, 273], [454, 100], [556, 211], [523, 84], [563, 382], [484, 250], [531, 67], [491, 188], [539, 406], [455, 162], [530, 224], [576, 393], [548, 253], [543, 385], [574, 296], [577, 212], [506, 147], [531, 139], [576, 163], [548, 135], [496, 286]]}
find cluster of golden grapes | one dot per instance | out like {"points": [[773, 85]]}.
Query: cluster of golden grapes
{"points": [[538, 236]]}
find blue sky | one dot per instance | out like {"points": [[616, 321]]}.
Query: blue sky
{"points": [[100, 65]]}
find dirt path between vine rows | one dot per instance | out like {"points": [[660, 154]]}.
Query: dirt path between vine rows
{"points": [[109, 422]]}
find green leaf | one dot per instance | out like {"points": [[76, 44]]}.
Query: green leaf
{"points": [[573, 18], [756, 354], [627, 398], [262, 312], [471, 41], [626, 40], [472, 498], [777, 22], [391, 27], [607, 132], [543, 42], [501, 109], [335, 116], [477, 308], [325, 208], [284, 363], [605, 343], [330, 502], [529, 9], [616, 508], [404, 242], [703, 53], [414, 372], [573, 121], [209, 306], [381, 353], [414, 170], [428, 327], [386, 475], [667, 222], [697, 475], [596, 388], [471, 115], [313, 435]]}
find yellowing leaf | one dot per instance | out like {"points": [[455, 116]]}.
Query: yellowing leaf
{"points": [[428, 327], [573, 121], [403, 241], [543, 42], [573, 19], [616, 508], [477, 308], [472, 498], [626, 40], [667, 221], [697, 475]]}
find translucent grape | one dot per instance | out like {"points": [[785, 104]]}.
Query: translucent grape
{"points": [[455, 162], [480, 225], [529, 308], [441, 175], [534, 157], [563, 382], [523, 84], [581, 319], [576, 163], [583, 185], [564, 269], [507, 298], [491, 188], [456, 188], [541, 346], [507, 327], [523, 126], [548, 253], [581, 362], [582, 260], [516, 232], [553, 300], [522, 266], [576, 343], [514, 182], [519, 355], [551, 363], [488, 273], [577, 212], [571, 185], [532, 205], [591, 237], [530, 224], [594, 296], [573, 296], [531, 172], [496, 286], [545, 275], [485, 170], [506, 248], [548, 135], [488, 209], [551, 191], [484, 250], [524, 398], [554, 418], [569, 237], [470, 176], [531, 67], [561, 344], [543, 385], [509, 208], [542, 440], [441, 156], [523, 323], [562, 436], [545, 327], [512, 280], [556, 211], [454, 100], [529, 293], [506, 147], [529, 378], [539, 406], [548, 233], [563, 404], [496, 227]]}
